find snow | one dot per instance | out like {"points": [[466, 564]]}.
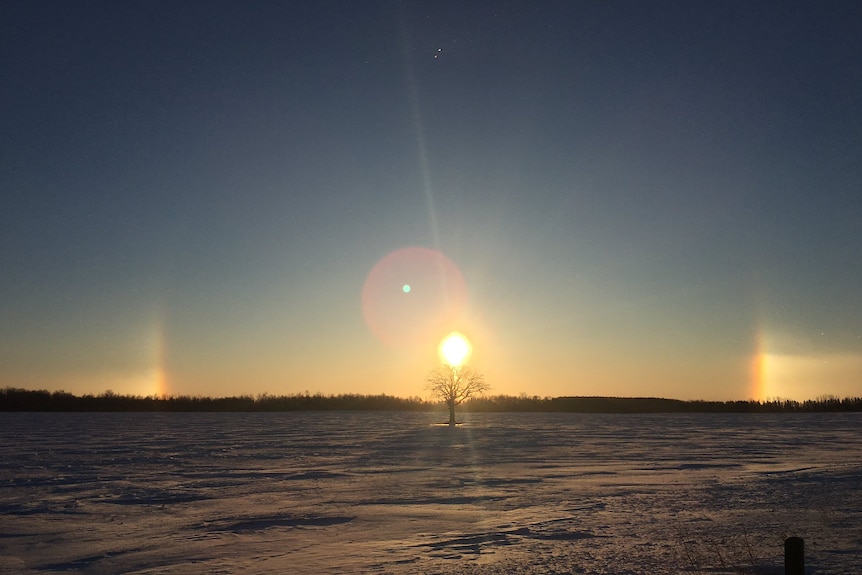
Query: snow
{"points": [[393, 493]]}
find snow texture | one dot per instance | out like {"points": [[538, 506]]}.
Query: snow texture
{"points": [[393, 493]]}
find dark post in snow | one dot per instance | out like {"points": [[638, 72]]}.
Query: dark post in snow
{"points": [[794, 556]]}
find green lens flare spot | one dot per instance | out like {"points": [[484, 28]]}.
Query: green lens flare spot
{"points": [[406, 288]]}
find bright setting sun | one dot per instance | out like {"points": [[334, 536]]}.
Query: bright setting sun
{"points": [[455, 349]]}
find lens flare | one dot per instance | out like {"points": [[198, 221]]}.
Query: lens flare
{"points": [[413, 295], [455, 349]]}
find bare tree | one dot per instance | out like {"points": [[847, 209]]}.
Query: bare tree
{"points": [[455, 384]]}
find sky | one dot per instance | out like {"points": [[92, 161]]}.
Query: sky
{"points": [[653, 199]]}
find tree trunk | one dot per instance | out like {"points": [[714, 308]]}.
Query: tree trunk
{"points": [[451, 413]]}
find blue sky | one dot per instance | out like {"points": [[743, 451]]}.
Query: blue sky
{"points": [[653, 199]]}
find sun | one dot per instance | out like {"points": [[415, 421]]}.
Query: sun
{"points": [[455, 349]]}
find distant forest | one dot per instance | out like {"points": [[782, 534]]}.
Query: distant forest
{"points": [[15, 399]]}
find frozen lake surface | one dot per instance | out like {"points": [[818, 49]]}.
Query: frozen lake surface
{"points": [[340, 492]]}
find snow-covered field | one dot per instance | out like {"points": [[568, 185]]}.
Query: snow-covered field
{"points": [[394, 493]]}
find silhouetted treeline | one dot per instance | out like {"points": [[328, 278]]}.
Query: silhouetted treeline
{"points": [[14, 399], [506, 403]]}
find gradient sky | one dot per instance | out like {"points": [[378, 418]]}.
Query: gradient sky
{"points": [[609, 198]]}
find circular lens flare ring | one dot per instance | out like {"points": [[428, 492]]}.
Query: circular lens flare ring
{"points": [[455, 349], [411, 296]]}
